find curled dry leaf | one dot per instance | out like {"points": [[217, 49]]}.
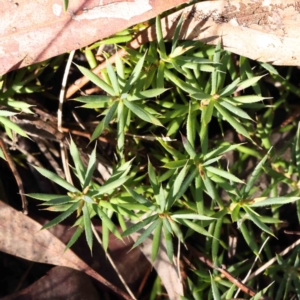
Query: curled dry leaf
{"points": [[264, 30], [21, 236], [33, 31]]}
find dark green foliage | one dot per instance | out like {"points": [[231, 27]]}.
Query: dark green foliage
{"points": [[187, 190]]}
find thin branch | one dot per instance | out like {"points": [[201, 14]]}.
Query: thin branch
{"points": [[30, 158], [274, 259], [255, 260], [79, 83], [63, 151], [16, 175], [113, 264], [141, 39], [178, 261], [226, 274]]}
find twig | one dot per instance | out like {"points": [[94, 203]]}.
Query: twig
{"points": [[236, 282], [292, 232], [88, 135], [255, 260], [45, 150], [16, 175], [64, 155], [63, 90], [271, 261], [226, 274], [144, 280], [30, 158], [79, 83], [145, 37], [178, 261], [113, 264], [23, 278], [77, 119]]}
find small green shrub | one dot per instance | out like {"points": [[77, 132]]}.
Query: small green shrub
{"points": [[171, 102]]}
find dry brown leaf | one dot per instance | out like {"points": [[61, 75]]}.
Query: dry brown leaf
{"points": [[167, 271], [124, 257], [59, 283], [262, 30], [266, 31], [33, 31], [21, 236]]}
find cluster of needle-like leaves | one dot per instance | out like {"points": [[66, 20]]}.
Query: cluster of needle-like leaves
{"points": [[163, 93]]}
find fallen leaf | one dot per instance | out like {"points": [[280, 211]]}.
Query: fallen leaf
{"points": [[123, 256], [59, 283], [167, 271], [266, 31], [33, 31], [21, 236]]}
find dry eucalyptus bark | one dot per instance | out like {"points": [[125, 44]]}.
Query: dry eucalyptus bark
{"points": [[261, 30], [266, 31]]}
